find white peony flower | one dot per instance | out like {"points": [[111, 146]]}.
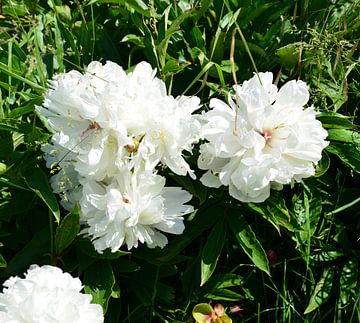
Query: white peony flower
{"points": [[107, 118], [109, 125], [132, 208], [45, 295], [265, 138]]}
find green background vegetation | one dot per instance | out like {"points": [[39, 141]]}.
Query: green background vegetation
{"points": [[310, 232]]}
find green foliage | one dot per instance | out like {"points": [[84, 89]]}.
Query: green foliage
{"points": [[293, 258]]}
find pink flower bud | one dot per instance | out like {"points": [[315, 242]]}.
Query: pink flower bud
{"points": [[272, 257]]}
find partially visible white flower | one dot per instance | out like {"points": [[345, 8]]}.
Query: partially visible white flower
{"points": [[45, 295], [265, 138], [162, 126], [133, 208]]}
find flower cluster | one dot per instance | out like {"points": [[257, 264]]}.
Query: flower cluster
{"points": [[263, 140], [46, 294], [111, 131]]}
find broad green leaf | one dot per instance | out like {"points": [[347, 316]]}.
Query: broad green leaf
{"points": [[344, 135], [172, 66], [349, 154], [99, 281], [38, 182], [248, 241], [221, 281], [334, 120], [307, 212], [326, 253], [322, 290], [349, 281], [212, 250], [33, 252], [275, 211], [224, 280], [20, 111], [67, 231]]}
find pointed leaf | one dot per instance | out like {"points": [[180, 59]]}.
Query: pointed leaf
{"points": [[334, 120], [38, 182], [322, 290], [212, 251], [348, 153], [32, 253], [201, 222], [344, 135], [67, 231], [248, 241], [99, 281]]}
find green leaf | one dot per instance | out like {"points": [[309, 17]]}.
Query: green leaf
{"points": [[212, 251], [123, 265], [137, 5], [99, 281], [322, 290], [38, 182], [202, 221], [323, 165], [334, 120], [32, 253], [3, 263], [348, 154], [248, 241], [15, 125], [224, 294], [289, 55], [275, 211], [174, 27], [3, 168], [349, 281], [16, 74], [67, 231], [135, 39], [223, 281], [344, 135]]}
